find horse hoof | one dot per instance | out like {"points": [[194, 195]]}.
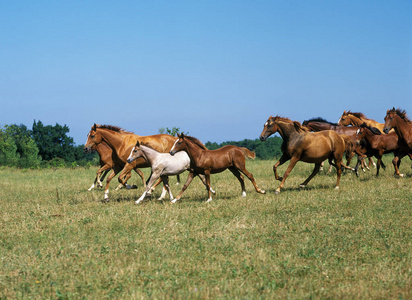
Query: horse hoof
{"points": [[277, 192], [302, 186], [262, 192], [336, 188], [208, 200], [243, 194], [173, 201]]}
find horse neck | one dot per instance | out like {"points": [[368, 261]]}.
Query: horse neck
{"points": [[286, 130], [355, 121], [149, 153], [112, 138], [193, 151], [400, 126]]}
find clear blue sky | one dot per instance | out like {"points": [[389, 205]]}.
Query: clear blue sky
{"points": [[216, 69]]}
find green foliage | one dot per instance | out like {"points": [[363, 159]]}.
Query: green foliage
{"points": [[269, 149], [18, 147], [174, 131], [44, 146]]}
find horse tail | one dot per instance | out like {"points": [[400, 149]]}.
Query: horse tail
{"points": [[248, 153]]}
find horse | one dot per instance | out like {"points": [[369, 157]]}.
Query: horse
{"points": [[378, 144], [121, 142], [299, 144], [207, 162], [319, 124], [163, 165], [357, 119], [398, 120]]}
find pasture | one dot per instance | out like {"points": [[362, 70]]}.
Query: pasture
{"points": [[60, 241]]}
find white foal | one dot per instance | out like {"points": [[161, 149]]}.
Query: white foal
{"points": [[163, 165]]}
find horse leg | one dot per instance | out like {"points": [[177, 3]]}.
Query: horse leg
{"points": [[178, 179], [280, 162], [166, 186], [152, 179], [239, 176], [314, 172], [188, 181], [159, 181], [124, 176], [242, 168], [203, 179], [378, 164], [100, 184], [109, 178], [97, 179], [140, 173], [207, 176], [338, 162], [292, 164], [397, 162]]}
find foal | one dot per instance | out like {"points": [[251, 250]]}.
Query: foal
{"points": [[163, 165], [203, 161]]}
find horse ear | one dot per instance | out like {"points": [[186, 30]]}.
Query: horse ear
{"points": [[137, 144], [181, 135], [94, 127]]}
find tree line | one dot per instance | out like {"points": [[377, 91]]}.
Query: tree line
{"points": [[50, 146], [41, 146]]}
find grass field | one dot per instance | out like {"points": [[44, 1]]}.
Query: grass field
{"points": [[60, 241]]}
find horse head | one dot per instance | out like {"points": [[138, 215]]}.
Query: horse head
{"points": [[178, 145], [93, 139], [135, 153], [345, 120], [269, 128]]}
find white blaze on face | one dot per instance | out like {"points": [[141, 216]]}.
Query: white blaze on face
{"points": [[357, 131], [339, 120], [174, 145], [266, 124], [131, 154]]}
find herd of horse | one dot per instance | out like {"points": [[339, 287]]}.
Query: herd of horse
{"points": [[313, 141]]}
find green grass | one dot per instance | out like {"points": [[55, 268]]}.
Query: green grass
{"points": [[57, 240]]}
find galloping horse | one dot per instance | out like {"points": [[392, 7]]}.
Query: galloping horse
{"points": [[302, 145], [357, 119], [399, 121], [122, 142], [378, 144], [319, 124], [163, 165], [206, 162]]}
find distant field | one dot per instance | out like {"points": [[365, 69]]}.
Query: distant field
{"points": [[60, 241]]}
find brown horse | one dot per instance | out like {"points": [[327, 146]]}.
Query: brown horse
{"points": [[302, 145], [319, 124], [377, 144], [399, 121], [122, 142], [356, 119], [206, 162]]}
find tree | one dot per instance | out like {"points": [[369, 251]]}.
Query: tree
{"points": [[174, 131], [53, 142], [18, 147]]}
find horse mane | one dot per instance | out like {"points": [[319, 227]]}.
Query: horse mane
{"points": [[196, 141], [401, 113], [320, 120], [374, 130], [358, 115], [113, 128]]}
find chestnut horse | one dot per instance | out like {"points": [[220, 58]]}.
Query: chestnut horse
{"points": [[206, 162], [121, 142], [302, 145], [357, 119], [377, 144], [319, 124], [399, 121]]}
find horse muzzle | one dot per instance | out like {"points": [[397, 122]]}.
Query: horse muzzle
{"points": [[386, 130], [130, 160], [87, 149], [262, 138], [172, 152]]}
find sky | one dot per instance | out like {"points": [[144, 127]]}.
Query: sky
{"points": [[215, 69]]}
